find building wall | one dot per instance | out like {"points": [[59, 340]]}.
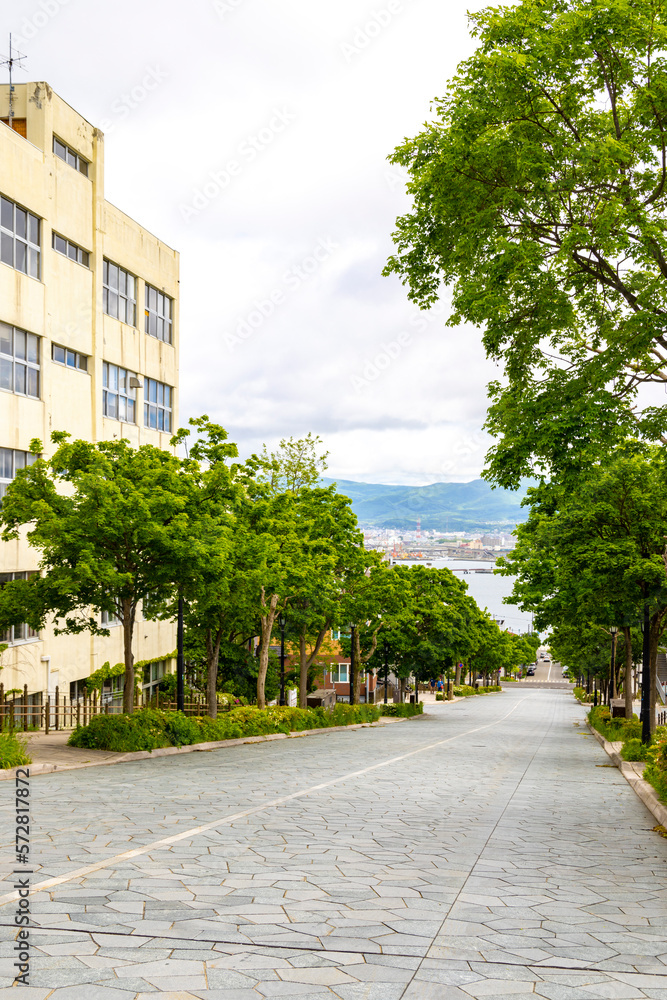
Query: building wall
{"points": [[64, 307]]}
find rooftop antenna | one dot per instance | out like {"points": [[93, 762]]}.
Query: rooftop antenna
{"points": [[14, 57]]}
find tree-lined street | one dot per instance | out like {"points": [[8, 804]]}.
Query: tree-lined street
{"points": [[484, 849]]}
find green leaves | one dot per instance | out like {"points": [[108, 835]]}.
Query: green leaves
{"points": [[539, 194]]}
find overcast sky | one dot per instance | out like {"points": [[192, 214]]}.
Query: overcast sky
{"points": [[252, 136]]}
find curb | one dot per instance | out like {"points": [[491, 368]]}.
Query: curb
{"points": [[646, 792], [124, 758]]}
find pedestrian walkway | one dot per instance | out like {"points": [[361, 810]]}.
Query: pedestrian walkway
{"points": [[486, 850]]}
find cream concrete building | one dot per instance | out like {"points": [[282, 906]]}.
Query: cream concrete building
{"points": [[88, 342]]}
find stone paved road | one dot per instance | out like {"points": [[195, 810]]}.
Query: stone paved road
{"points": [[484, 850]]}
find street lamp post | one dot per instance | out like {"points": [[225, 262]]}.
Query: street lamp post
{"points": [[180, 664], [646, 678], [282, 622], [386, 671], [353, 629], [612, 676]]}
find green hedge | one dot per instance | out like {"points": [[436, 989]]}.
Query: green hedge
{"points": [[150, 728], [465, 690], [630, 732], [13, 752], [614, 730], [405, 711]]}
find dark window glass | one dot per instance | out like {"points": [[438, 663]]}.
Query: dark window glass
{"points": [[19, 361], [19, 238]]}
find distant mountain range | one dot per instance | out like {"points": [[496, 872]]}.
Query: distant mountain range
{"points": [[441, 506]]}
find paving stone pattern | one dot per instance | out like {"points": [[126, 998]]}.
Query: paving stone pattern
{"points": [[504, 862]]}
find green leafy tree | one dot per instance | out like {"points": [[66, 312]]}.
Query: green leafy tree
{"points": [[293, 466], [593, 558], [539, 193], [112, 527]]}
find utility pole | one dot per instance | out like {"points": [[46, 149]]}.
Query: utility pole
{"points": [[180, 666]]}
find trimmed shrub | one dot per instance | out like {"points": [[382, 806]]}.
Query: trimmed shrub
{"points": [[634, 749], [13, 751], [150, 729], [404, 711]]}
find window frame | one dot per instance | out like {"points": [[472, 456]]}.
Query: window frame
{"points": [[160, 409], [28, 460], [115, 391], [336, 671], [81, 256], [108, 290], [158, 317], [79, 161], [78, 357], [7, 360], [31, 249]]}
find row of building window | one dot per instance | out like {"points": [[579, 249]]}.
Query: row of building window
{"points": [[70, 156], [19, 361], [20, 247], [11, 460], [20, 373], [119, 299], [20, 241], [70, 249]]}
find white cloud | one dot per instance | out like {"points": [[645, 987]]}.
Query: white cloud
{"points": [[278, 79]]}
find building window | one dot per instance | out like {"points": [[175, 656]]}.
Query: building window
{"points": [[118, 396], [70, 156], [17, 633], [69, 249], [157, 405], [119, 295], [18, 125], [109, 618], [19, 361], [19, 238], [339, 674], [10, 463], [158, 314], [153, 674], [72, 359]]}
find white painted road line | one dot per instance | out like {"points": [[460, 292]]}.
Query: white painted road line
{"points": [[50, 883]]}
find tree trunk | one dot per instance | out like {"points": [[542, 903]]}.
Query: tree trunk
{"points": [[268, 617], [457, 679], [359, 659], [627, 681], [306, 662], [128, 613], [212, 656]]}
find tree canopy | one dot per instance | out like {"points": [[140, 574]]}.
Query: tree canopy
{"points": [[539, 193]]}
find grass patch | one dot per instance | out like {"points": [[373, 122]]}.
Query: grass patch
{"points": [[13, 751]]}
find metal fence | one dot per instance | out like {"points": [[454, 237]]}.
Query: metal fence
{"points": [[35, 711]]}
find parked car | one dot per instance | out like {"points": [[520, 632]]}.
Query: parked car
{"points": [[530, 672]]}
